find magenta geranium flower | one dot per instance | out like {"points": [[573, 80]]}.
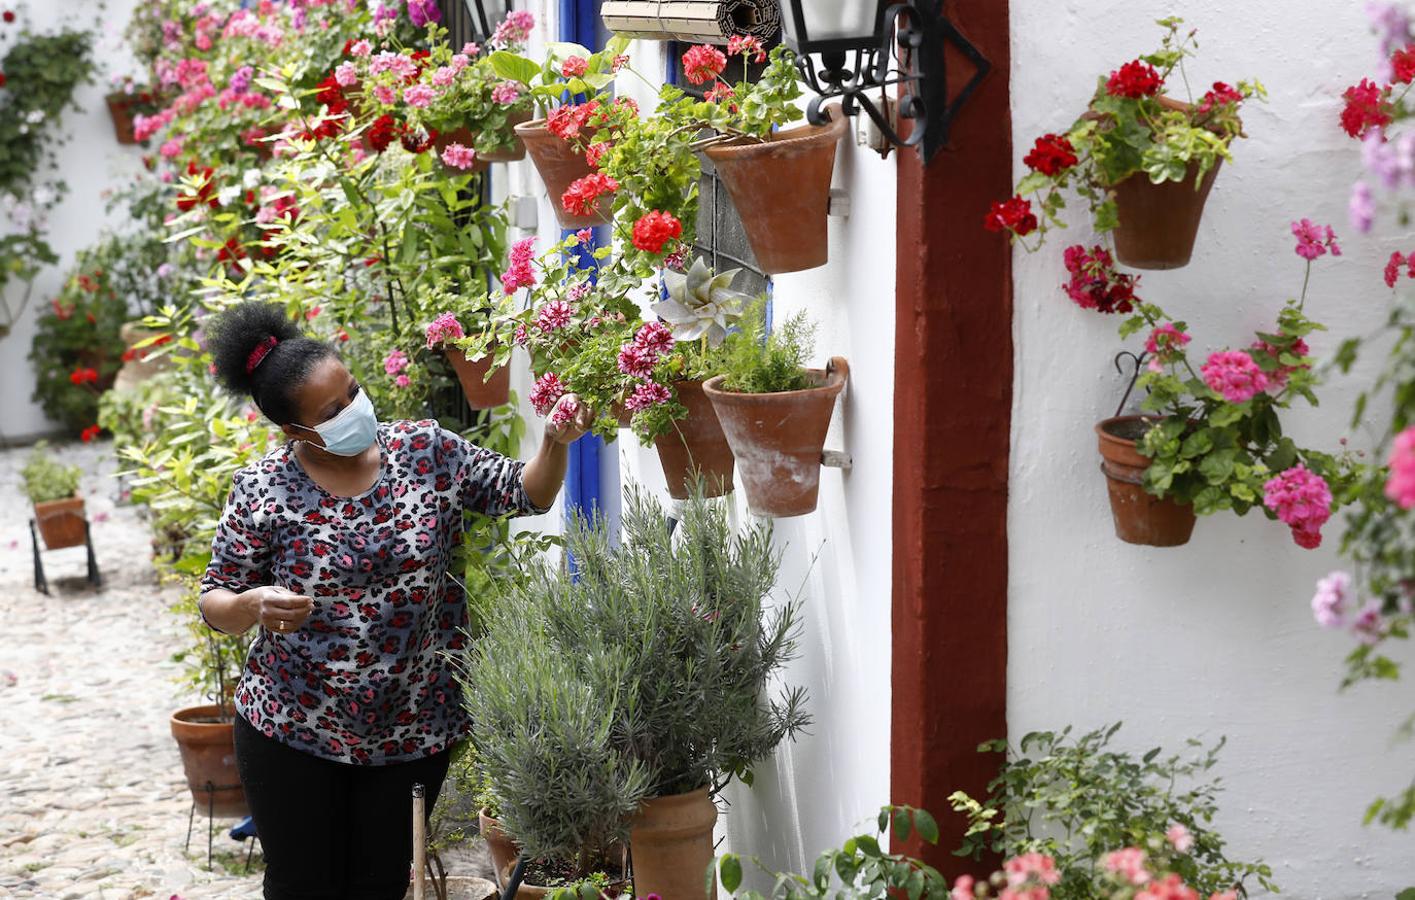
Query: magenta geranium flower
{"points": [[1235, 375]]}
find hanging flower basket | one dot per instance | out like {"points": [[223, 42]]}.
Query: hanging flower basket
{"points": [[696, 447], [671, 838], [481, 392], [560, 166], [120, 109], [62, 523], [781, 189], [1140, 517], [207, 741], [468, 138], [777, 439]]}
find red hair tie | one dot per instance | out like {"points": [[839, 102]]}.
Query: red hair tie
{"points": [[261, 351]]}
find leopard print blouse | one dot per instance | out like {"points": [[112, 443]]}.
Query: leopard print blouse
{"points": [[367, 679]]}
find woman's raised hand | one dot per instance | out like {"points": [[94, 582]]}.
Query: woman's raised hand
{"points": [[564, 427], [279, 609]]}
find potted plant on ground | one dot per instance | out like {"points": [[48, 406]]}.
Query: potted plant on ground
{"points": [[1143, 162], [53, 490], [1210, 438], [775, 412], [579, 194], [663, 644]]}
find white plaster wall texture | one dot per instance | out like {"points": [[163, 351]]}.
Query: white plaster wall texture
{"points": [[91, 162], [1215, 638]]}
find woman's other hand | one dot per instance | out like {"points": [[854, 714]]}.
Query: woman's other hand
{"points": [[279, 609], [568, 420]]}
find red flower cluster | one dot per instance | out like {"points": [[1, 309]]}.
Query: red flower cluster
{"points": [[1014, 215], [83, 376], [656, 229], [1395, 263], [746, 45], [1052, 153], [231, 251], [703, 62], [61, 312], [9, 16], [89, 433], [1367, 106], [1135, 79], [2, 79], [566, 122], [1095, 284], [1221, 95], [417, 141], [580, 197], [1402, 64], [382, 132], [206, 191], [332, 95]]}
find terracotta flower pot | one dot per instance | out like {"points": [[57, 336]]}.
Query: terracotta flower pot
{"points": [[503, 850], [62, 523], [137, 369], [781, 189], [560, 166], [208, 748], [464, 137], [120, 109], [671, 838], [517, 150], [777, 439], [1140, 518], [481, 393], [695, 447]]}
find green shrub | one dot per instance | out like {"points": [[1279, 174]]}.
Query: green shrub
{"points": [[48, 479], [757, 362]]}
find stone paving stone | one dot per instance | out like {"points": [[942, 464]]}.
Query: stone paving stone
{"points": [[95, 801]]}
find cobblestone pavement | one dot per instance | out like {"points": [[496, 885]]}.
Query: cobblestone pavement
{"points": [[95, 804]]}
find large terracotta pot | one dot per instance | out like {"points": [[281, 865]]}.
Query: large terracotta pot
{"points": [[208, 749], [481, 393], [696, 446], [777, 439], [503, 850], [560, 165], [781, 189], [120, 109], [138, 369], [1140, 518], [62, 523], [671, 838]]}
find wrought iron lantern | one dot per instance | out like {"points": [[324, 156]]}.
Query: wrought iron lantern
{"points": [[858, 50]]}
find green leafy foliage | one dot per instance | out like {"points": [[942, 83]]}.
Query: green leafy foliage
{"points": [[46, 478], [758, 362], [1075, 799]]}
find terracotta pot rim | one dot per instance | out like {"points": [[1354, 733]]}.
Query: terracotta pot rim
{"points": [[833, 381], [210, 709], [1101, 426], [58, 500], [804, 135]]}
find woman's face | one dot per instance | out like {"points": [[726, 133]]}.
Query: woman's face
{"points": [[323, 395]]}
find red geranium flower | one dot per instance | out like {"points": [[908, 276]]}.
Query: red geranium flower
{"points": [[656, 229], [1094, 282], [381, 133], [83, 375], [229, 252], [1014, 215], [2, 79], [1402, 63], [703, 63], [1052, 153], [417, 141], [90, 433], [9, 16], [565, 122], [1221, 95], [332, 95], [1367, 107], [1135, 79], [579, 198]]}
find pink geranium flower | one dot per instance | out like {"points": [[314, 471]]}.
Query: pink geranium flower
{"points": [[1314, 240], [459, 156], [1302, 500], [442, 329], [1235, 375], [1400, 486]]}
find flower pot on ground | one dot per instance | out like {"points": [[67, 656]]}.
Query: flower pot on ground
{"points": [[52, 487], [206, 739], [672, 842], [696, 447], [781, 189], [1140, 517], [481, 392], [499, 845], [561, 165], [120, 109]]}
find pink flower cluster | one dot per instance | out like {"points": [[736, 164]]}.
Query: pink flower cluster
{"points": [[1302, 500], [1165, 344], [1314, 240], [547, 389], [506, 93], [443, 328], [1235, 375], [565, 412], [1395, 263], [554, 316], [520, 274], [1031, 876], [637, 360], [419, 96], [515, 30], [1333, 600], [1400, 486], [395, 364], [459, 156]]}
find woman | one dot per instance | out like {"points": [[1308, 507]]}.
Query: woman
{"points": [[337, 545]]}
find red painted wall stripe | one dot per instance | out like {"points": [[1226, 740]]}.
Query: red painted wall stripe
{"points": [[952, 418]]}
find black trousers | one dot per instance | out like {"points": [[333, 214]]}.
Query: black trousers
{"points": [[332, 830]]}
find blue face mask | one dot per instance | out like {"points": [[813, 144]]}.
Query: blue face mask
{"points": [[351, 431]]}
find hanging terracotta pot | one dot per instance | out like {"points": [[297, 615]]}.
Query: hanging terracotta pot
{"points": [[1140, 518], [481, 393], [560, 165], [696, 447], [517, 150], [62, 523], [777, 439], [781, 189], [464, 137], [120, 110], [671, 839], [208, 747]]}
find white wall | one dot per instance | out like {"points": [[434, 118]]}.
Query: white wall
{"points": [[1214, 638], [91, 162]]}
